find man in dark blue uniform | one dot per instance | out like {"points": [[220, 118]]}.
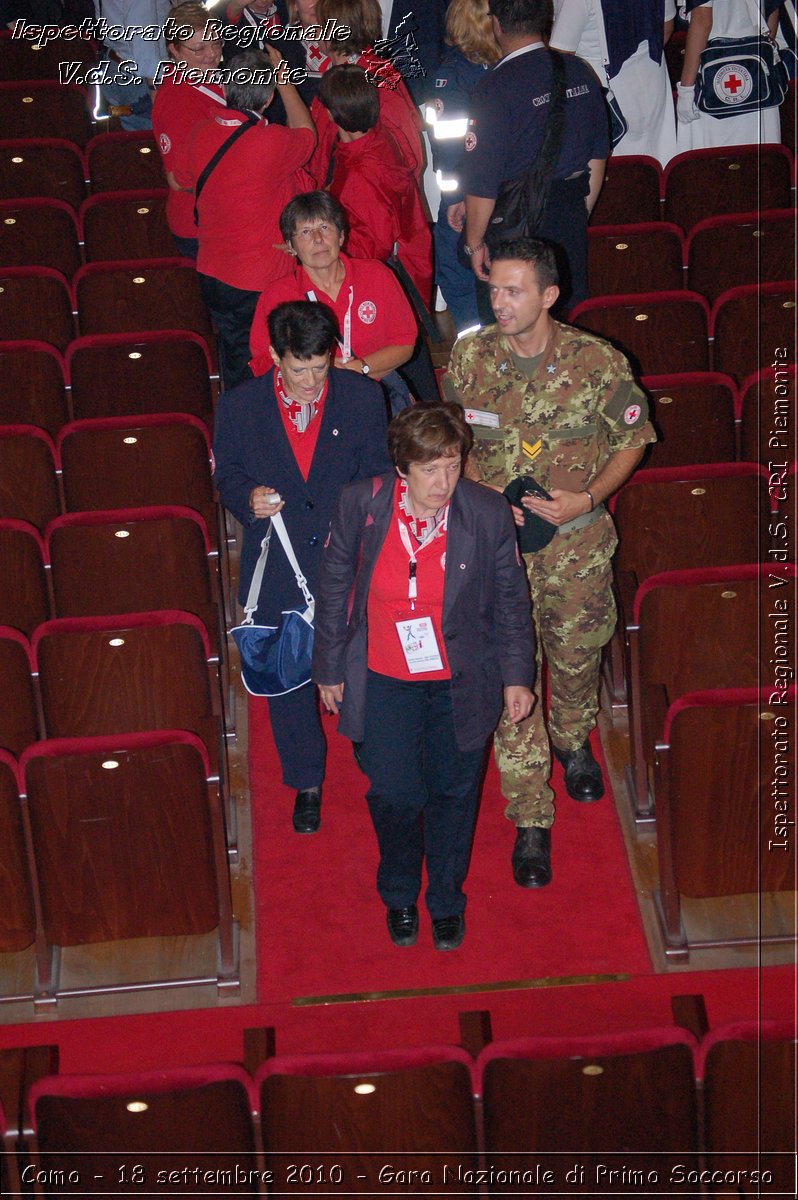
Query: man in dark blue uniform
{"points": [[510, 112]]}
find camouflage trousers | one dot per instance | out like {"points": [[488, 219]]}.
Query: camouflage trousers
{"points": [[573, 609]]}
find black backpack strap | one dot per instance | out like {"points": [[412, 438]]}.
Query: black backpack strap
{"points": [[541, 174], [218, 156]]}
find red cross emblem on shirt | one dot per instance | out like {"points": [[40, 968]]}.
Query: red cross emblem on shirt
{"points": [[733, 84]]}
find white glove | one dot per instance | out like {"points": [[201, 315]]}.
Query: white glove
{"points": [[686, 110]]}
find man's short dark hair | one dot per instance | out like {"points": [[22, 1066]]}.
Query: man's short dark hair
{"points": [[303, 328], [426, 431], [311, 206], [522, 17], [349, 98], [536, 252], [252, 82]]}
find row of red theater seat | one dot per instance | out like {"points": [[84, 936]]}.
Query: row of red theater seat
{"points": [[719, 253], [531, 1114], [676, 331], [109, 226], [122, 297], [56, 169], [699, 550], [117, 811], [112, 838], [663, 332], [696, 184], [106, 375]]}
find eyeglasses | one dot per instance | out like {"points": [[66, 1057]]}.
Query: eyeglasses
{"points": [[213, 46]]}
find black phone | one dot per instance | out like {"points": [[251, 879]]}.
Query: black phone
{"points": [[533, 488]]}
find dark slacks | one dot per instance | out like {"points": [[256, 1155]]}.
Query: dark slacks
{"points": [[296, 727], [186, 247], [423, 794], [232, 310]]}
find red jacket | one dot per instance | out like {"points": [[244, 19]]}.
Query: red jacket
{"points": [[240, 205], [178, 107], [383, 205], [398, 114]]}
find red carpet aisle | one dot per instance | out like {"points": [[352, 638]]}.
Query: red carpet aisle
{"points": [[321, 932], [321, 925]]}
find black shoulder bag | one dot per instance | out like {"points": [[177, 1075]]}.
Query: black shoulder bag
{"points": [[218, 156], [521, 202]]}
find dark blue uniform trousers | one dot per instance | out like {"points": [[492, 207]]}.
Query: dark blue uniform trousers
{"points": [[296, 728], [424, 792]]}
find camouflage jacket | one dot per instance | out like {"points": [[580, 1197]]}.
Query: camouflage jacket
{"points": [[562, 425]]}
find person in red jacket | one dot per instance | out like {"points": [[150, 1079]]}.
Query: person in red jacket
{"points": [[377, 191], [179, 105], [398, 113], [239, 198]]}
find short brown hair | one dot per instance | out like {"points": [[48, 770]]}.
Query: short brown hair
{"points": [[362, 17], [351, 101], [424, 432], [190, 15], [469, 28], [311, 206]]}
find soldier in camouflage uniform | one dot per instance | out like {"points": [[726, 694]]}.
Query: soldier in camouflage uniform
{"points": [[550, 401]]}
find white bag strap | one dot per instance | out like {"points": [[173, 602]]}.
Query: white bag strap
{"points": [[253, 596], [757, 18], [602, 36]]}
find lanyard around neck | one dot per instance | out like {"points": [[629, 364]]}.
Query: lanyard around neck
{"points": [[412, 552]]}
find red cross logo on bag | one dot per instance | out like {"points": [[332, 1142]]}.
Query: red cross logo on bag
{"points": [[733, 84]]}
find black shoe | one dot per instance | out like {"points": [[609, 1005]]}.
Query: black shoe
{"points": [[448, 932], [583, 780], [532, 857], [403, 925], [307, 810]]}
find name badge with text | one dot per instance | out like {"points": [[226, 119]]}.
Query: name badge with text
{"points": [[419, 644]]}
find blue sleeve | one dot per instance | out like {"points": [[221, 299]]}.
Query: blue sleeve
{"points": [[373, 455], [233, 483], [485, 163]]}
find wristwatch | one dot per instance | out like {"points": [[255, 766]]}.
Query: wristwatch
{"points": [[365, 369], [471, 250]]}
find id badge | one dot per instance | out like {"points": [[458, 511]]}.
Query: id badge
{"points": [[419, 644]]}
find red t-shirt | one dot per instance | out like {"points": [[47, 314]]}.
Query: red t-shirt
{"points": [[380, 315], [388, 600], [240, 205], [177, 108]]}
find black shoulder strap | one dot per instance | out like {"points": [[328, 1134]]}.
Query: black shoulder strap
{"points": [[546, 161], [218, 156]]}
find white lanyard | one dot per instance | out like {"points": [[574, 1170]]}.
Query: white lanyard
{"points": [[412, 582], [213, 95], [344, 345]]}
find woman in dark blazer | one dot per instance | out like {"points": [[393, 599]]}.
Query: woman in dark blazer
{"points": [[289, 441], [423, 633]]}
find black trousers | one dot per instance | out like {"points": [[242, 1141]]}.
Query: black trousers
{"points": [[232, 310], [423, 795], [296, 727]]}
